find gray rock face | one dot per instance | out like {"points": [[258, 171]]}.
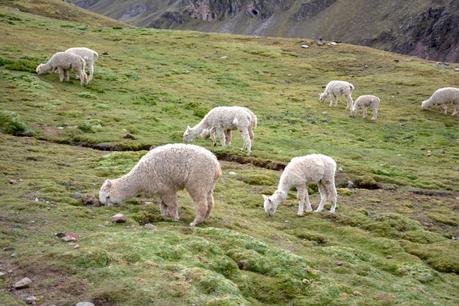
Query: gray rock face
{"points": [[84, 304], [23, 283], [312, 8]]}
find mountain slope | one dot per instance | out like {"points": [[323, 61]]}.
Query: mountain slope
{"points": [[395, 244], [425, 28]]}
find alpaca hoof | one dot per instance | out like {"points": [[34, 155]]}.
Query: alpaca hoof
{"points": [[318, 210], [332, 211], [300, 214], [309, 210]]}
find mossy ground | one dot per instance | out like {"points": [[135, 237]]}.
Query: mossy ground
{"points": [[382, 247]]}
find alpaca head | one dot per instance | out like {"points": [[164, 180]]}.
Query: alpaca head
{"points": [[270, 205], [108, 194], [323, 96], [426, 104], [40, 69], [188, 135]]}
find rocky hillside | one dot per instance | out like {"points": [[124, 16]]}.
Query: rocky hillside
{"points": [[425, 28]]}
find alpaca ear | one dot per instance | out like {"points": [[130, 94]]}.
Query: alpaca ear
{"points": [[109, 183], [265, 197], [188, 127]]}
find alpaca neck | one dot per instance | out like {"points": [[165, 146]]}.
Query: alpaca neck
{"points": [[198, 128], [127, 186]]}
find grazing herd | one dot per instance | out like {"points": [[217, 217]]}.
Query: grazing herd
{"points": [[167, 169]]}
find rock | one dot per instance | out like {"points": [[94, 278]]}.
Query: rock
{"points": [[304, 46], [306, 281], [13, 254], [232, 173], [350, 184], [442, 64], [324, 113], [224, 57], [396, 60], [129, 136], [90, 200], [31, 300], [119, 218], [429, 153], [2, 274], [339, 263], [23, 283], [76, 196], [356, 293], [76, 246], [68, 236], [456, 69], [8, 248], [150, 226], [84, 304], [389, 257], [13, 182]]}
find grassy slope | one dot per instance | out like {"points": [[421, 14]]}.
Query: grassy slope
{"points": [[152, 84]]}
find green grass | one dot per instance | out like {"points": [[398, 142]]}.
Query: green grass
{"points": [[384, 246]]}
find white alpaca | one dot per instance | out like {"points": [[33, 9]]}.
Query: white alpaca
{"points": [[63, 63], [221, 119], [443, 97], [298, 173], [335, 89], [89, 56], [228, 134], [165, 170], [366, 102]]}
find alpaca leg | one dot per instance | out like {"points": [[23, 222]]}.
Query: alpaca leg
{"points": [[170, 200], [91, 72], [332, 195], [332, 100], [61, 74], [364, 112], [247, 141], [200, 204], [455, 110], [251, 134], [210, 203], [67, 75], [375, 115], [349, 101], [445, 109], [323, 196], [213, 136], [302, 194], [163, 209], [229, 137], [221, 135]]}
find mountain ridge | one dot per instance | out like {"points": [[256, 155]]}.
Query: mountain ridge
{"points": [[424, 28]]}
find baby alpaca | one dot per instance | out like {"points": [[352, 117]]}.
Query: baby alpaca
{"points": [[63, 63], [298, 173], [443, 97], [334, 89], [365, 102], [89, 56], [164, 171], [221, 119]]}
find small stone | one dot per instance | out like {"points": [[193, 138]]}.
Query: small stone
{"points": [[306, 281], [90, 200], [224, 57], [396, 60], [13, 254], [119, 218], [84, 304], [232, 173], [343, 295], [339, 263], [129, 136], [456, 69], [13, 182], [2, 274], [324, 113], [8, 248], [356, 293], [23, 283], [350, 184], [31, 300], [389, 257], [76, 196], [455, 238], [68, 237], [429, 153], [150, 226], [304, 46], [76, 246]]}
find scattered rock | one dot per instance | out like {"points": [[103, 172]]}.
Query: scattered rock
{"points": [[129, 136], [357, 293], [76, 246], [105, 53], [389, 257], [150, 226], [232, 173], [456, 69], [306, 281], [8, 248], [350, 184], [76, 196], [224, 57], [441, 64], [343, 295], [90, 200], [429, 153], [455, 238], [339, 263], [13, 182], [31, 300], [2, 274], [84, 304], [23, 283], [68, 237], [324, 113], [13, 254], [119, 218], [304, 46], [396, 60]]}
